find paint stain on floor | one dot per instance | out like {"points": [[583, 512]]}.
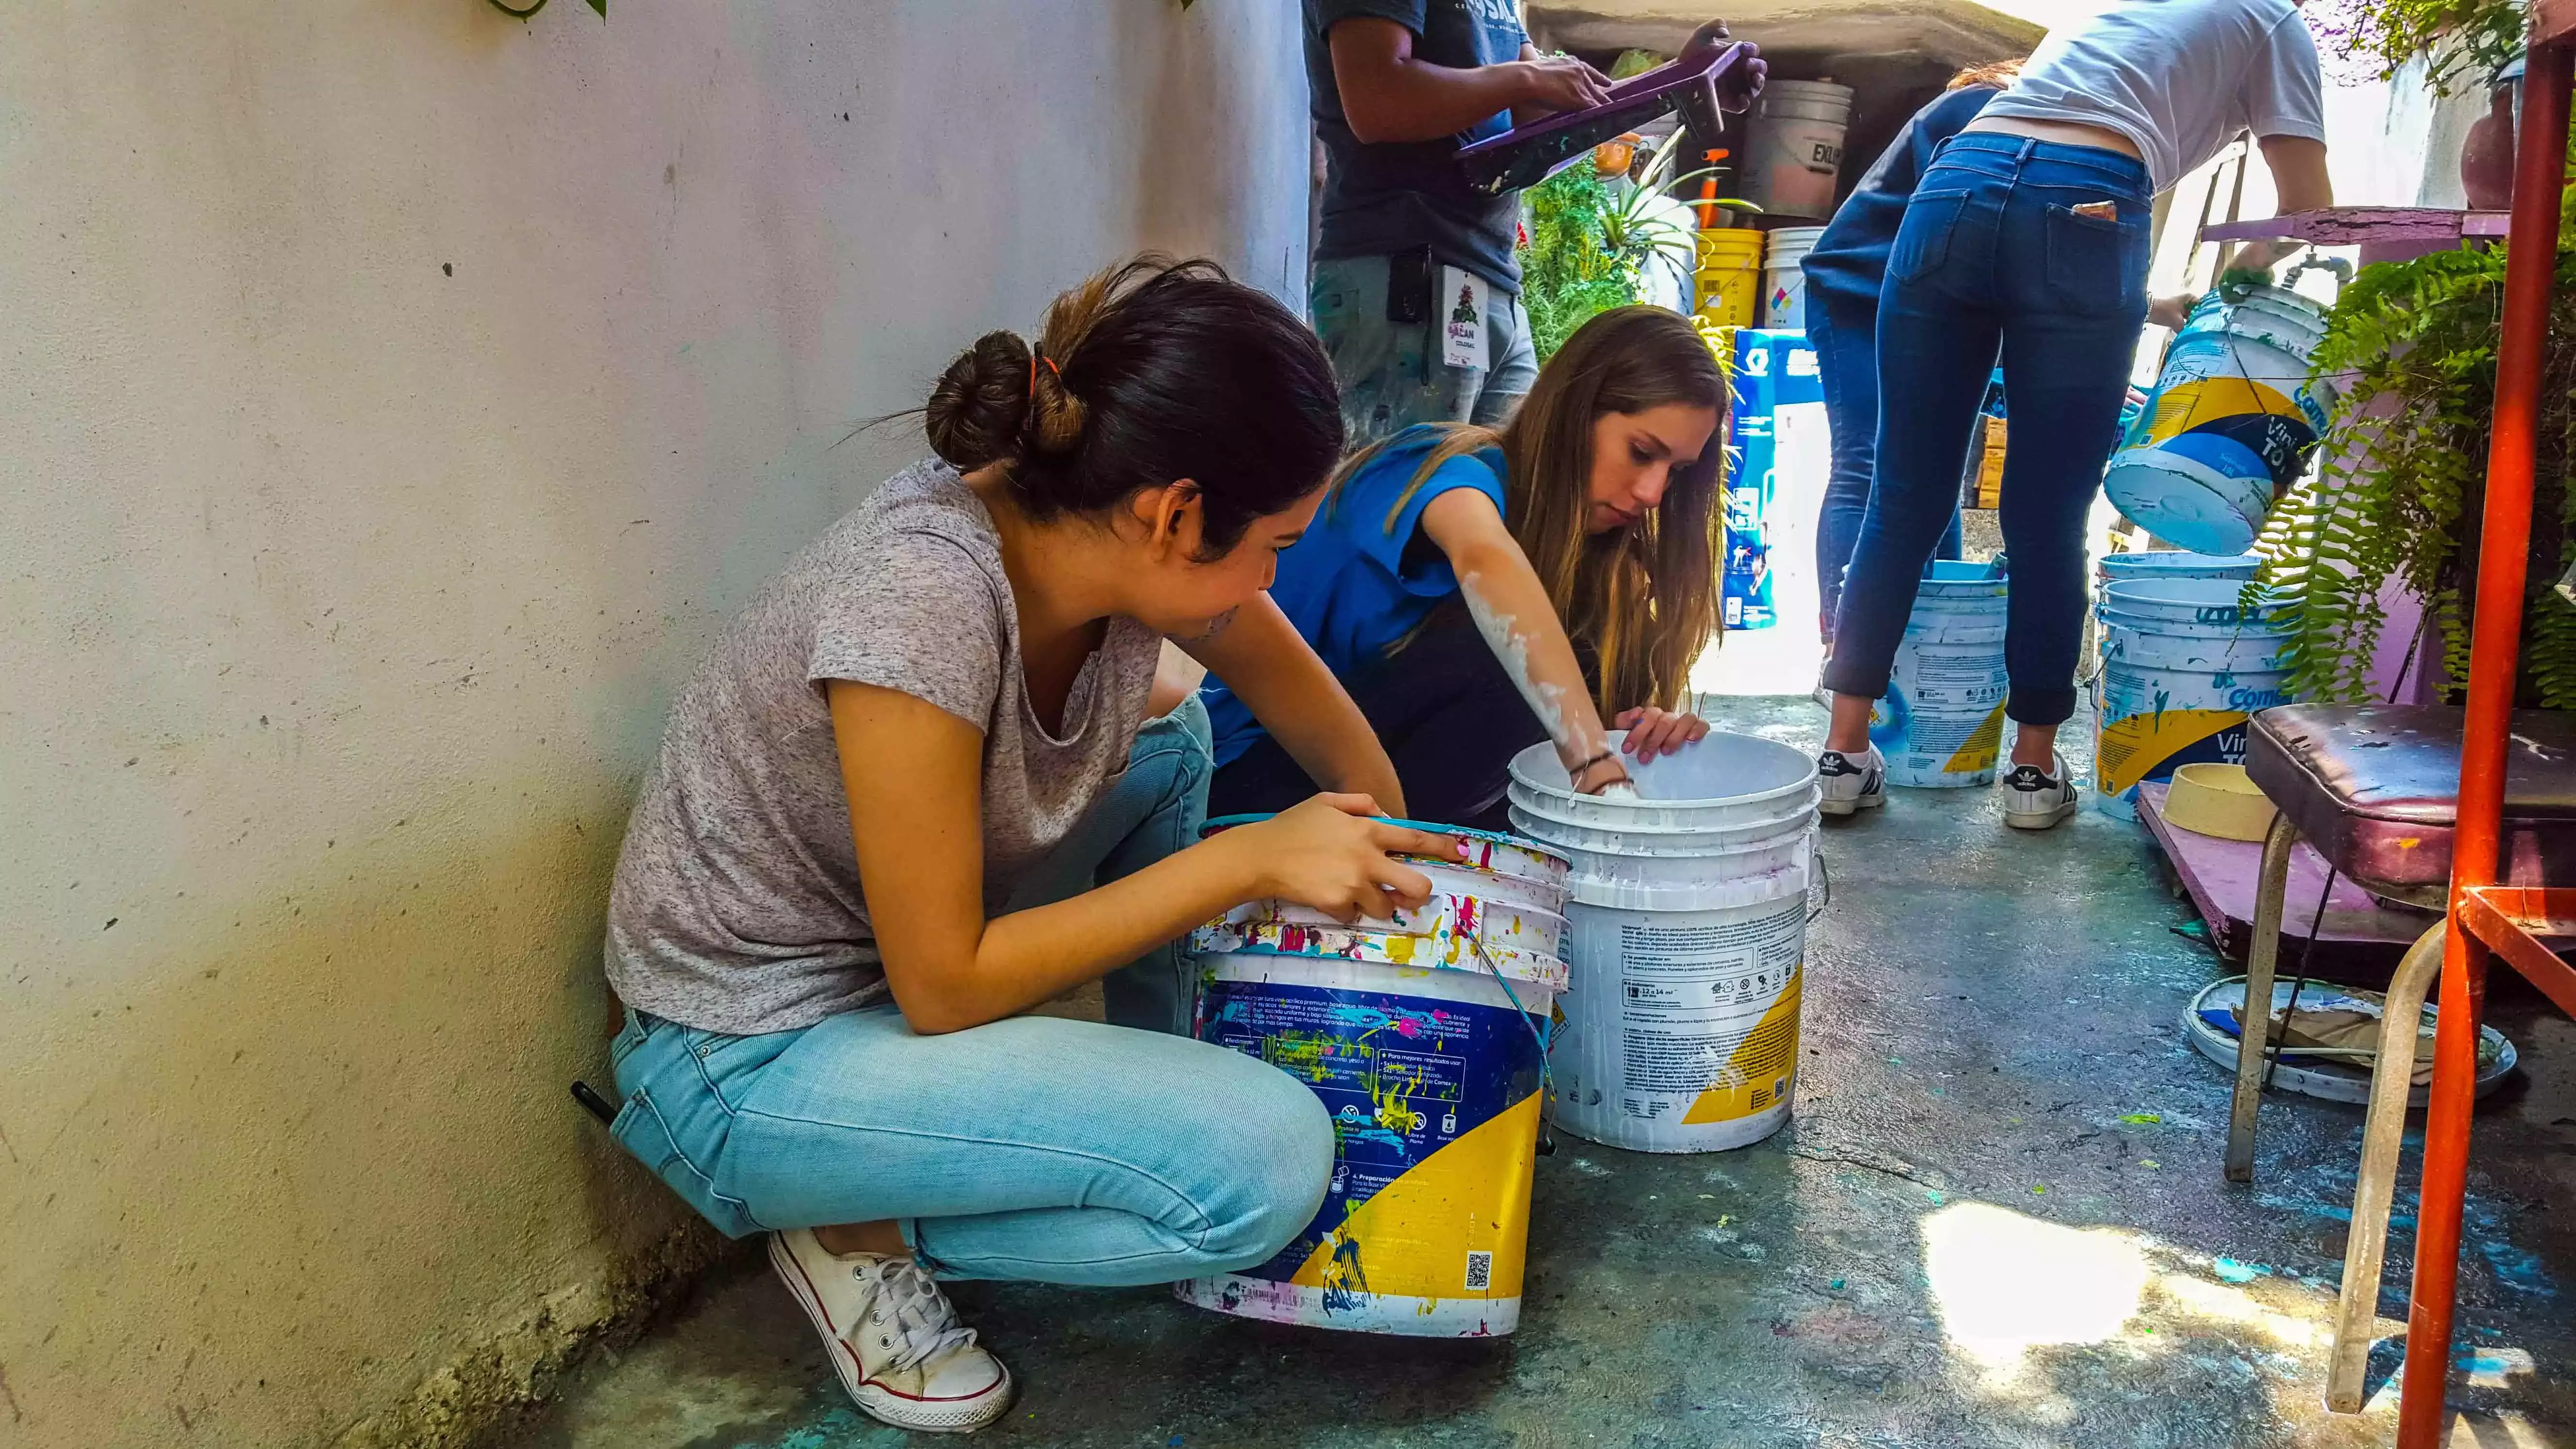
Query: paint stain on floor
{"points": [[1988, 1014]]}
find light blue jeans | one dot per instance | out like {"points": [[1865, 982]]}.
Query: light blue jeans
{"points": [[1030, 1148], [1391, 373]]}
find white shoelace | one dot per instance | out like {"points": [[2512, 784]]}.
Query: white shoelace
{"points": [[921, 1314]]}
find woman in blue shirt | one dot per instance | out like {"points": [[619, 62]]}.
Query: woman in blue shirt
{"points": [[1843, 275], [1478, 591]]}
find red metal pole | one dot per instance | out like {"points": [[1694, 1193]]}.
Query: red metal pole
{"points": [[2531, 262]]}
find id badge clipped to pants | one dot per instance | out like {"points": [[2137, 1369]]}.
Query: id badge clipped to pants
{"points": [[1464, 297]]}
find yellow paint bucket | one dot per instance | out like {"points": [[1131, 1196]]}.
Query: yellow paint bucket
{"points": [[1728, 282], [1424, 1042]]}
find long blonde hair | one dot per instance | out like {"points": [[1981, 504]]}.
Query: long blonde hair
{"points": [[1645, 598]]}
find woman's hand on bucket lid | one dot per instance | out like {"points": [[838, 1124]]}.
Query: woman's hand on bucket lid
{"points": [[1332, 853], [1653, 732]]}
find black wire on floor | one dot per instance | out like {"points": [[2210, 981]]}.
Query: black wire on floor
{"points": [[2275, 1040]]}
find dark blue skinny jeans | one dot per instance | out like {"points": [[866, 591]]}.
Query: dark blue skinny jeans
{"points": [[1995, 259], [1845, 336]]}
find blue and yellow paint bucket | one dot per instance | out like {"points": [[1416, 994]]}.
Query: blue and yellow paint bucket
{"points": [[1425, 1043], [2231, 425], [2185, 665]]}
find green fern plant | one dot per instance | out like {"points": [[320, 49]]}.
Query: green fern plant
{"points": [[2400, 484]]}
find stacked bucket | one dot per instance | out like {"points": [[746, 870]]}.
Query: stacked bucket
{"points": [[1425, 1039], [1687, 938], [2185, 664], [1728, 281], [1941, 723], [1784, 277]]}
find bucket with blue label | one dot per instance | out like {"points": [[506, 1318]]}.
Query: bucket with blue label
{"points": [[1425, 1040]]}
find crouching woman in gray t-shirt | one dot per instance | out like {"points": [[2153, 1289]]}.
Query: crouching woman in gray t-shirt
{"points": [[916, 789]]}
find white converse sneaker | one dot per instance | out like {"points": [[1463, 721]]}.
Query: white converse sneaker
{"points": [[1851, 782], [893, 1337], [2034, 800]]}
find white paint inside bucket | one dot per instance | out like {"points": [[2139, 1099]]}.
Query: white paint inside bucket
{"points": [[2183, 669], [1688, 933]]}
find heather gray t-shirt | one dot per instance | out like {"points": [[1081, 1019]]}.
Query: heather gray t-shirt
{"points": [[736, 906]]}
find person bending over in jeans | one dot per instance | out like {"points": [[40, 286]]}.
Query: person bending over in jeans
{"points": [[916, 789], [1844, 273], [2026, 239], [1481, 591], [1399, 87]]}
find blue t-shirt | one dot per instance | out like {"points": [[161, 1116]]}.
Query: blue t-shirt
{"points": [[1850, 260], [1356, 583], [1394, 196]]}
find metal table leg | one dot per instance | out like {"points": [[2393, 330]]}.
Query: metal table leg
{"points": [[2262, 954], [2392, 1078]]}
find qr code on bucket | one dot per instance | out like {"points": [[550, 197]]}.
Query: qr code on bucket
{"points": [[1480, 1270]]}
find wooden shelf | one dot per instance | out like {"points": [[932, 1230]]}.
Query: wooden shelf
{"points": [[2344, 226]]}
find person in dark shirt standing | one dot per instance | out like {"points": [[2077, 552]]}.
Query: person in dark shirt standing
{"points": [[1415, 290], [1843, 275]]}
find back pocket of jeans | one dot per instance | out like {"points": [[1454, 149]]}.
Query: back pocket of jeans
{"points": [[2097, 264], [640, 1129], [1923, 236]]}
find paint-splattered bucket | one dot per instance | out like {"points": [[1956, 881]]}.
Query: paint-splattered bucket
{"points": [[2232, 422], [1424, 1042], [1689, 928], [2184, 665], [1941, 723]]}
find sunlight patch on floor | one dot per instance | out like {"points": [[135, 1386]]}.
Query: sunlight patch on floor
{"points": [[2006, 1283]]}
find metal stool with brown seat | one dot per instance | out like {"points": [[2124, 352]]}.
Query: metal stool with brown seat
{"points": [[2374, 788]]}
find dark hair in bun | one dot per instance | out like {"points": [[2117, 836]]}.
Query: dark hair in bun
{"points": [[1147, 374]]}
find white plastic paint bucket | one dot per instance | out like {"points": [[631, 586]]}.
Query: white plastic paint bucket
{"points": [[1797, 147], [2145, 565], [1941, 723], [1784, 280], [1689, 927], [2183, 668], [1416, 1041], [2232, 422]]}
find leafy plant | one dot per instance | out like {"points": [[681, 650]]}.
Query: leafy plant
{"points": [[2458, 39], [1589, 244], [2400, 485]]}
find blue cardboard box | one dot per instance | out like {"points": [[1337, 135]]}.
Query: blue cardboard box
{"points": [[1774, 367]]}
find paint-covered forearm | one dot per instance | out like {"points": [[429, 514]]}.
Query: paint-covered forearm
{"points": [[1511, 610]]}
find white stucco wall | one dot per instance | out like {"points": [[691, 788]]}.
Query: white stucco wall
{"points": [[341, 597]]}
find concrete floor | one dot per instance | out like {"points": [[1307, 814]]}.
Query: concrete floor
{"points": [[1959, 1241]]}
